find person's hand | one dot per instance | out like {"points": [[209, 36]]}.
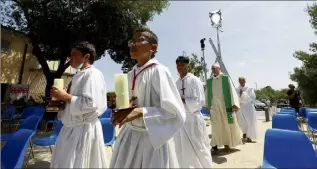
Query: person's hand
{"points": [[59, 94], [235, 109], [122, 116]]}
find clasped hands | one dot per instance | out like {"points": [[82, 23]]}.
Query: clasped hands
{"points": [[122, 116]]}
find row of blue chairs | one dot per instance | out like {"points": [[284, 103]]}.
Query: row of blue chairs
{"points": [[286, 146], [13, 152], [9, 114]]}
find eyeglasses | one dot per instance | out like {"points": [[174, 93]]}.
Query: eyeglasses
{"points": [[141, 40]]}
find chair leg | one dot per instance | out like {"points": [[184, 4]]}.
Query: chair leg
{"points": [[111, 148], [50, 149], [314, 140], [31, 146]]}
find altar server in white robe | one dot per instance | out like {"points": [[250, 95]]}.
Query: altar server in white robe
{"points": [[247, 114], [192, 142], [145, 139], [80, 142], [223, 102]]}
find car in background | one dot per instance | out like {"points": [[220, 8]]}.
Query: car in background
{"points": [[267, 102], [282, 103], [259, 105]]}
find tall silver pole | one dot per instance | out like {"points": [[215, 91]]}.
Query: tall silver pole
{"points": [[218, 41], [204, 66]]}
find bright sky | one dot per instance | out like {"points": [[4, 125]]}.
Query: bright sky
{"points": [[258, 41]]}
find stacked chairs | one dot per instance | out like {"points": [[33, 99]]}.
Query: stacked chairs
{"points": [[288, 149], [13, 152], [108, 132], [50, 140], [8, 115]]}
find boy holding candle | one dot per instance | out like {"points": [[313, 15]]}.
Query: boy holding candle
{"points": [[143, 141], [80, 142]]}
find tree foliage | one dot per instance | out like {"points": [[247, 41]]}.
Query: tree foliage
{"points": [[269, 93], [196, 66], [306, 75], [53, 25]]}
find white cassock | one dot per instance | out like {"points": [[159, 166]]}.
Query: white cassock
{"points": [[146, 142], [80, 142], [223, 133], [247, 114], [192, 141]]}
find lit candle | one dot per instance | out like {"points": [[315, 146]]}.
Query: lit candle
{"points": [[59, 84], [122, 91]]}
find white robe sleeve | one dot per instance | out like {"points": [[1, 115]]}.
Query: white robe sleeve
{"points": [[234, 95], [197, 97], [162, 123], [94, 95], [248, 96]]}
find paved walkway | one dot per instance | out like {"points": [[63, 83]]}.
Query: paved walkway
{"points": [[248, 155]]}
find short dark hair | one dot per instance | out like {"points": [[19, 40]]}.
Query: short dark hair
{"points": [[183, 59], [86, 48], [152, 38]]}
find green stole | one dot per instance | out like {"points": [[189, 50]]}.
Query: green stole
{"points": [[226, 94]]}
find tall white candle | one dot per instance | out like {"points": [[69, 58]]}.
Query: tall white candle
{"points": [[122, 91], [59, 84]]}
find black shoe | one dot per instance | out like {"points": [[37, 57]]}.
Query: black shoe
{"points": [[244, 136], [215, 150], [249, 140]]}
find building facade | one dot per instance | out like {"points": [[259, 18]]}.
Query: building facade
{"points": [[19, 66]]}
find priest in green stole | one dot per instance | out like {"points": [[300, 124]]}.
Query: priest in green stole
{"points": [[223, 102]]}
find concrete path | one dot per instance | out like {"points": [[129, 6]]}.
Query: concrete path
{"points": [[248, 155]]}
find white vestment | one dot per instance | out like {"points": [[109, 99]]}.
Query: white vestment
{"points": [[146, 142], [247, 114], [223, 133], [80, 142], [192, 141]]}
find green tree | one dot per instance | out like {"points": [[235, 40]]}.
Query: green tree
{"points": [[53, 25], [196, 66], [271, 94], [306, 75]]}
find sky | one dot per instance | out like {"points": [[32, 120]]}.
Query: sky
{"points": [[258, 41]]}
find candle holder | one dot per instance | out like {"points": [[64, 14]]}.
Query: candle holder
{"points": [[55, 106], [131, 103]]}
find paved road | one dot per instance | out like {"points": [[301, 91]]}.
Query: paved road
{"points": [[248, 155]]}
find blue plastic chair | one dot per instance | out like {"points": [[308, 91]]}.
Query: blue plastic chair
{"points": [[106, 114], [13, 152], [312, 125], [108, 132], [50, 140], [29, 123], [285, 121], [33, 110], [288, 149], [8, 115], [287, 109], [204, 112], [288, 112]]}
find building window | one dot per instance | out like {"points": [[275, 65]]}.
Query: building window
{"points": [[5, 46]]}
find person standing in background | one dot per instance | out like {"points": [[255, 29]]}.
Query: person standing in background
{"points": [[247, 115], [294, 98]]}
